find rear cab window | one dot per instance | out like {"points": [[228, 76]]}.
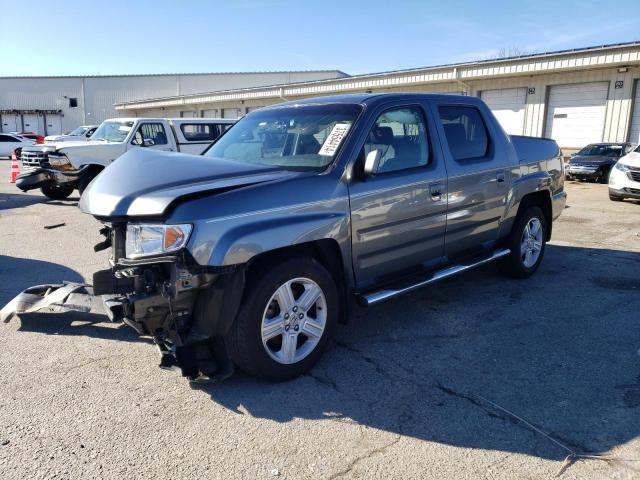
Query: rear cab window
{"points": [[201, 132], [465, 131]]}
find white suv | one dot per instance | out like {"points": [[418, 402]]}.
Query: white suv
{"points": [[624, 180]]}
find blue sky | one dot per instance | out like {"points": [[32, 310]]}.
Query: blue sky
{"points": [[143, 36]]}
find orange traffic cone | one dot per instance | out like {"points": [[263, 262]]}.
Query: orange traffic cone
{"points": [[15, 168]]}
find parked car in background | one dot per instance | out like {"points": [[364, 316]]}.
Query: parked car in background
{"points": [[59, 168], [256, 248], [38, 139], [9, 142], [594, 161], [80, 134], [624, 181]]}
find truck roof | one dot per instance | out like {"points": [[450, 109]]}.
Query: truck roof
{"points": [[183, 119], [370, 98]]}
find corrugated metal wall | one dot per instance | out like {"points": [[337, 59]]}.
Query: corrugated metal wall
{"points": [[97, 95]]}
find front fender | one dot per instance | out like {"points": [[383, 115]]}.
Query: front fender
{"points": [[82, 161], [237, 239], [240, 244]]}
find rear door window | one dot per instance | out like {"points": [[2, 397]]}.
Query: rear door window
{"points": [[200, 132], [465, 131]]}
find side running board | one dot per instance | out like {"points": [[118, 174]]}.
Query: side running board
{"points": [[382, 295]]}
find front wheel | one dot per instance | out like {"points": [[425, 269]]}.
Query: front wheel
{"points": [[527, 244], [87, 177], [57, 192], [286, 318]]}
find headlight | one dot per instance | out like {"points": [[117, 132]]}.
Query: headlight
{"points": [[59, 161], [622, 167], [154, 239]]}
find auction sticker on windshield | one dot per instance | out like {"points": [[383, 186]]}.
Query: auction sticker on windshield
{"points": [[331, 144]]}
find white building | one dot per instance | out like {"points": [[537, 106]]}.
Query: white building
{"points": [[575, 96], [52, 105]]}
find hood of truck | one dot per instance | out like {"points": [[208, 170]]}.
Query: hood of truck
{"points": [[144, 183], [64, 138], [593, 160], [84, 152]]}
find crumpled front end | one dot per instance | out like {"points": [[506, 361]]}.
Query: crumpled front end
{"points": [[185, 307], [45, 167]]}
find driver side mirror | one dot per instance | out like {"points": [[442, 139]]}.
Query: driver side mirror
{"points": [[372, 162], [148, 142], [574, 154]]}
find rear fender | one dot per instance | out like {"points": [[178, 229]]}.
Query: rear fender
{"points": [[537, 183]]}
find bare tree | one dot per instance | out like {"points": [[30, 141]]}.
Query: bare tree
{"points": [[507, 52]]}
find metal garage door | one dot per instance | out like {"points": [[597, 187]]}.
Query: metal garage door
{"points": [[54, 125], [575, 113], [11, 123], [507, 105], [32, 123], [634, 133], [229, 113], [211, 113]]}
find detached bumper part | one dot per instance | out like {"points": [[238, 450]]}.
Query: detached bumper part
{"points": [[54, 298], [42, 177]]}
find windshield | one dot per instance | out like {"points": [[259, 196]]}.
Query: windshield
{"points": [[602, 151], [304, 137], [78, 132], [112, 131]]}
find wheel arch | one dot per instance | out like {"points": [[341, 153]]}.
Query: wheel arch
{"points": [[542, 199], [325, 251]]}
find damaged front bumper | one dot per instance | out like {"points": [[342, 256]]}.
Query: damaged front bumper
{"points": [[185, 307], [47, 176]]}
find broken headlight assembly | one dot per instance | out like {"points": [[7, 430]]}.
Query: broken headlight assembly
{"points": [[143, 240], [59, 161]]}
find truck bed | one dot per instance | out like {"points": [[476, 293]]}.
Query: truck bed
{"points": [[534, 149]]}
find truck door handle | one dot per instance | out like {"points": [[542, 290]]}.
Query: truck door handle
{"points": [[435, 189], [500, 177]]}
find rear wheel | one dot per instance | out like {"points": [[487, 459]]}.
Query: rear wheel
{"points": [[285, 320], [57, 192], [527, 244]]}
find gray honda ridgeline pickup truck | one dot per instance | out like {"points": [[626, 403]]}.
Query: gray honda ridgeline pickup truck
{"points": [[250, 254]]}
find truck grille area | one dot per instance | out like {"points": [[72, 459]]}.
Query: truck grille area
{"points": [[34, 160]]}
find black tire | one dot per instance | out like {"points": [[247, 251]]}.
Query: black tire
{"points": [[86, 178], [615, 198], [513, 264], [57, 192], [244, 339]]}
